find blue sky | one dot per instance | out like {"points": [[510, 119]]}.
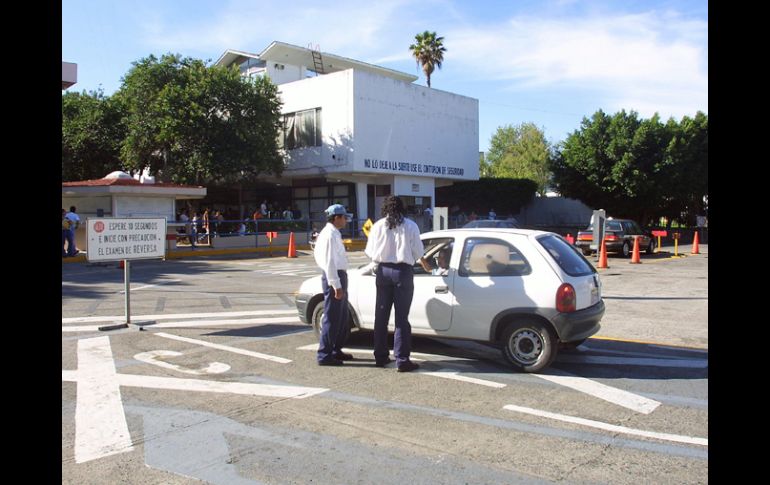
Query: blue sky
{"points": [[546, 62]]}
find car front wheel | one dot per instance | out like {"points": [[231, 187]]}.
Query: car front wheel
{"points": [[626, 249], [529, 345], [315, 320]]}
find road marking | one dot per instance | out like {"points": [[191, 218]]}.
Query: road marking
{"points": [[100, 422], [171, 316], [608, 427], [600, 360], [198, 385], [151, 358], [150, 286], [234, 350], [626, 399], [450, 374], [194, 323]]}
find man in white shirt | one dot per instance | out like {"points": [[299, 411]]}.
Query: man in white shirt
{"points": [[330, 256], [70, 235], [394, 244]]}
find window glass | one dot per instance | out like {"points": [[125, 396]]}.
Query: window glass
{"points": [[492, 257], [340, 190], [432, 254], [321, 191], [566, 256], [301, 193], [613, 226], [302, 129]]}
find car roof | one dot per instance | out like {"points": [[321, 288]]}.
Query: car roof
{"points": [[483, 230]]}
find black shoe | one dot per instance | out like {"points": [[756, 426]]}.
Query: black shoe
{"points": [[330, 362], [408, 366], [343, 356], [383, 363]]}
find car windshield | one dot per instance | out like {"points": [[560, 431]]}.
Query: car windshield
{"points": [[505, 224], [566, 256]]}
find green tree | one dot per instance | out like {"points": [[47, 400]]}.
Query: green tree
{"points": [[92, 131], [196, 124], [641, 169], [521, 152], [428, 50], [485, 170]]}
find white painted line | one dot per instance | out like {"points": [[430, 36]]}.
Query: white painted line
{"points": [[151, 358], [194, 323], [609, 427], [599, 360], [628, 400], [450, 374], [100, 423], [172, 316], [234, 350], [249, 389], [150, 286]]}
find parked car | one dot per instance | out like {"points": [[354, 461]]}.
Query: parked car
{"points": [[523, 290], [618, 236], [500, 223]]}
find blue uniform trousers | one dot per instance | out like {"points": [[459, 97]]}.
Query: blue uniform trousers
{"points": [[334, 324], [395, 288]]}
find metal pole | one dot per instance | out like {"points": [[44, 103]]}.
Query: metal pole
{"points": [[127, 281]]}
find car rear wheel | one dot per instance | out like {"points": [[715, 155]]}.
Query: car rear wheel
{"points": [[626, 249], [529, 345]]}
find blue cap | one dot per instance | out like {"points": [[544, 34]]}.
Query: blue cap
{"points": [[335, 210]]}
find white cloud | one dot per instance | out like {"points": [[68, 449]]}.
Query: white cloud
{"points": [[652, 59]]}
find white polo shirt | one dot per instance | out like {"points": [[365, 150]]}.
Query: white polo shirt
{"points": [[401, 244], [330, 254]]}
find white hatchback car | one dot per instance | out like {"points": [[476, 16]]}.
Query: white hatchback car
{"points": [[526, 291]]}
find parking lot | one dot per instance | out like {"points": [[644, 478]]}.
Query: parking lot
{"points": [[222, 387]]}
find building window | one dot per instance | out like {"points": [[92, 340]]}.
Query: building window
{"points": [[301, 129]]}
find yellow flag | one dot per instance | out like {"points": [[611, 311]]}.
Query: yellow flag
{"points": [[367, 227]]}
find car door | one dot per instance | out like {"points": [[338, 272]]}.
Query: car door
{"points": [[433, 298], [632, 228], [492, 275]]}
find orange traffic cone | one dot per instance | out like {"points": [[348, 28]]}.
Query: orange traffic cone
{"points": [[602, 257], [635, 258], [570, 239], [695, 241], [292, 247]]}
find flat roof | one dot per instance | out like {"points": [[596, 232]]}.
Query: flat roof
{"points": [[302, 56]]}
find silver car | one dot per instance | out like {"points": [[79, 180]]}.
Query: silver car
{"points": [[526, 291]]}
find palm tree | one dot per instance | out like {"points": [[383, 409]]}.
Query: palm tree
{"points": [[429, 52]]}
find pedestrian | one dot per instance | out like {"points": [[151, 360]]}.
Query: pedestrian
{"points": [[492, 215], [330, 256], [65, 227], [394, 245], [70, 235]]}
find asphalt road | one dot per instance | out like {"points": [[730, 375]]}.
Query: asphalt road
{"points": [[223, 387]]}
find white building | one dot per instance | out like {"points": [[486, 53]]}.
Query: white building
{"points": [[355, 132]]}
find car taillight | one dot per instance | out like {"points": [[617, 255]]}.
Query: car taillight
{"points": [[611, 237], [565, 298]]}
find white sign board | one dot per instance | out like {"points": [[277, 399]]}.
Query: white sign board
{"points": [[114, 239]]}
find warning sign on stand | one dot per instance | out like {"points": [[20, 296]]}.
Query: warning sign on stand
{"points": [[114, 239]]}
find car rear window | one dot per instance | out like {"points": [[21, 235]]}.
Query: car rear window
{"points": [[566, 256], [492, 257]]}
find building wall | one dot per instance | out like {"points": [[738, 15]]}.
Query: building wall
{"points": [[410, 130], [377, 125], [333, 94]]}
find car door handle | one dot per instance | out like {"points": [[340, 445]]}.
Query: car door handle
{"points": [[442, 289]]}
